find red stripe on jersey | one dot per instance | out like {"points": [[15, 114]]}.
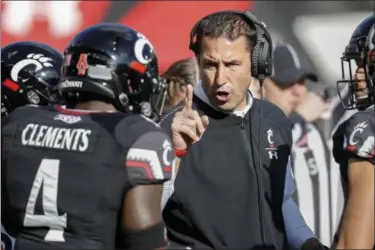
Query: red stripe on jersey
{"points": [[372, 153], [351, 148], [141, 164], [80, 111], [167, 169], [11, 85], [71, 111]]}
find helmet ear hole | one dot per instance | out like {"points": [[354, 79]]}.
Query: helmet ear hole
{"points": [[123, 99]]}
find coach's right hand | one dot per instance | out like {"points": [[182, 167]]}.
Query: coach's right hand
{"points": [[187, 126]]}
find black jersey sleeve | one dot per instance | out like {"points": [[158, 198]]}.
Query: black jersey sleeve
{"points": [[338, 151], [149, 156], [149, 160], [359, 136]]}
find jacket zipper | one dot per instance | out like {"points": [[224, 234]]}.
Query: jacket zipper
{"points": [[258, 179]]}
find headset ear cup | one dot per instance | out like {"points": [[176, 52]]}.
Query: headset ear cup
{"points": [[255, 60], [266, 58], [193, 48]]}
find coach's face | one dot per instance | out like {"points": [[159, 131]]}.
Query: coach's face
{"points": [[225, 72]]}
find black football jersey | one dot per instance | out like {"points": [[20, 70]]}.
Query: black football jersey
{"points": [[65, 173], [355, 138]]}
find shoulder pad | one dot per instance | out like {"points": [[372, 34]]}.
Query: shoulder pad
{"points": [[150, 156], [148, 149], [359, 135]]}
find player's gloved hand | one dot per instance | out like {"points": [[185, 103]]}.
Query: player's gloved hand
{"points": [[187, 126]]}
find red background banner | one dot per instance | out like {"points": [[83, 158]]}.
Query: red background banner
{"points": [[166, 23]]}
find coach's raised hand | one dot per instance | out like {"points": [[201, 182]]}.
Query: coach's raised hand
{"points": [[187, 126]]}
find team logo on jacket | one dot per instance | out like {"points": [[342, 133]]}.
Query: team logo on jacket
{"points": [[271, 149]]}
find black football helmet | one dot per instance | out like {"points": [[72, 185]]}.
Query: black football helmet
{"points": [[114, 63], [30, 73], [356, 50]]}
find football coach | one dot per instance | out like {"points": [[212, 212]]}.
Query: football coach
{"points": [[234, 149]]}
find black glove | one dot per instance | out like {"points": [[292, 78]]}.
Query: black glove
{"points": [[313, 244]]}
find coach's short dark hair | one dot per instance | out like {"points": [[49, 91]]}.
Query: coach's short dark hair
{"points": [[226, 25]]}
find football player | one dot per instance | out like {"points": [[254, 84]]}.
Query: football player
{"points": [[30, 72], [90, 175], [354, 151]]}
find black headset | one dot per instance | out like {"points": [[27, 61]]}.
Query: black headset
{"points": [[261, 58]]}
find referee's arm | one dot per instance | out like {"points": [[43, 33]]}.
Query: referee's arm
{"points": [[296, 229]]}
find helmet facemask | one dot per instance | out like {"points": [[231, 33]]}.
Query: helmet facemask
{"points": [[359, 90], [370, 66], [159, 97]]}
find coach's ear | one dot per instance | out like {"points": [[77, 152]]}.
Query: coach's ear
{"points": [[255, 88]]}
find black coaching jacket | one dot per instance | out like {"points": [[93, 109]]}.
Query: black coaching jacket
{"points": [[229, 190]]}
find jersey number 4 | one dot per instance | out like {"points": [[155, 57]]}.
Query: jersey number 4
{"points": [[48, 176]]}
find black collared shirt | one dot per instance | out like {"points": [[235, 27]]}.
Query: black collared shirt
{"points": [[222, 197]]}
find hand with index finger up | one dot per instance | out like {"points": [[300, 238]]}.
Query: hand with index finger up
{"points": [[187, 126]]}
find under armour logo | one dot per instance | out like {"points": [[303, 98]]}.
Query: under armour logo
{"points": [[273, 154]]}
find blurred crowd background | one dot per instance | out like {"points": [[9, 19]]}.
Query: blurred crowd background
{"points": [[317, 30]]}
